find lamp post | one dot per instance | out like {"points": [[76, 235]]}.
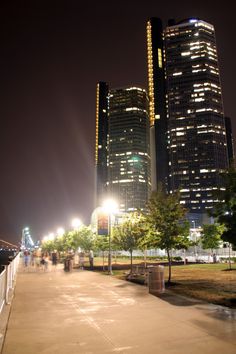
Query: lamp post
{"points": [[60, 231], [76, 223], [51, 236], [110, 206], [45, 239]]}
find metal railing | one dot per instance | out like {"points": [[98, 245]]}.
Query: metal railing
{"points": [[7, 280]]}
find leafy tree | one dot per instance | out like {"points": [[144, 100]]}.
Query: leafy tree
{"points": [[48, 246], [211, 236], [60, 244], [83, 238], [72, 240], [128, 234], [225, 209], [67, 241], [168, 228], [101, 243]]}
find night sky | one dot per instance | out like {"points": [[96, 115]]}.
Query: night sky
{"points": [[52, 55]]}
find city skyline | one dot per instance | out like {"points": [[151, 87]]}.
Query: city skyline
{"points": [[50, 71]]}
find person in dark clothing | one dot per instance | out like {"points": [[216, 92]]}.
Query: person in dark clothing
{"points": [[54, 258]]}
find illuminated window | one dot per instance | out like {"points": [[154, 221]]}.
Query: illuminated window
{"points": [[178, 73], [159, 58]]}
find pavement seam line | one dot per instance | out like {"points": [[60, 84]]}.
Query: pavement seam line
{"points": [[94, 325]]}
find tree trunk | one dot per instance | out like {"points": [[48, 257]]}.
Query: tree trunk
{"points": [[131, 262], [169, 263], [145, 257], [103, 267], [230, 266]]}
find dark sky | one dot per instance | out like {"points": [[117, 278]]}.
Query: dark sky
{"points": [[52, 55]]}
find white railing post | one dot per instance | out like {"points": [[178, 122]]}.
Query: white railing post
{"points": [[7, 280], [3, 280]]}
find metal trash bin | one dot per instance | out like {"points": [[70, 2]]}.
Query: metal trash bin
{"points": [[156, 281], [67, 265]]}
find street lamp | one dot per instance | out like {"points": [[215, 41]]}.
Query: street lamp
{"points": [[76, 223], [45, 239], [60, 231], [110, 206], [51, 236]]}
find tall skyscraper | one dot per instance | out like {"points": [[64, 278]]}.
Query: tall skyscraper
{"points": [[122, 147], [128, 148], [157, 104], [101, 142], [197, 147]]}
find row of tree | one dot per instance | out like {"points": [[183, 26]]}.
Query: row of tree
{"points": [[163, 226]]}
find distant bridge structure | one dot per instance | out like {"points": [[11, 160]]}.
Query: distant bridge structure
{"points": [[26, 239]]}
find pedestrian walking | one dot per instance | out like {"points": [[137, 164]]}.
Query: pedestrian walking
{"points": [[32, 258], [91, 256], [54, 258], [37, 259], [214, 258], [44, 261], [81, 260], [26, 258]]}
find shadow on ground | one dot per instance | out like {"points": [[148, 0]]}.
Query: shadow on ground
{"points": [[177, 300]]}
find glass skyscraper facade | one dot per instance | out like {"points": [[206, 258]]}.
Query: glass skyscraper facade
{"points": [[122, 147], [196, 128], [128, 148], [197, 147]]}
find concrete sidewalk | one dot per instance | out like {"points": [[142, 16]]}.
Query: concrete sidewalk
{"points": [[85, 312]]}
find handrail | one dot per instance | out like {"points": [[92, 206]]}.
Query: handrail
{"points": [[7, 280]]}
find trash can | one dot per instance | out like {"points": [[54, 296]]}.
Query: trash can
{"points": [[67, 265], [156, 281]]}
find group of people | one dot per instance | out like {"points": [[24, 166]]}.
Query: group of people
{"points": [[39, 260]]}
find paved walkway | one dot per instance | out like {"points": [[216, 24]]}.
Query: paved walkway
{"points": [[86, 312]]}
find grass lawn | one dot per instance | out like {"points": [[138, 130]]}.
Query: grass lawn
{"points": [[117, 260], [209, 282]]}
